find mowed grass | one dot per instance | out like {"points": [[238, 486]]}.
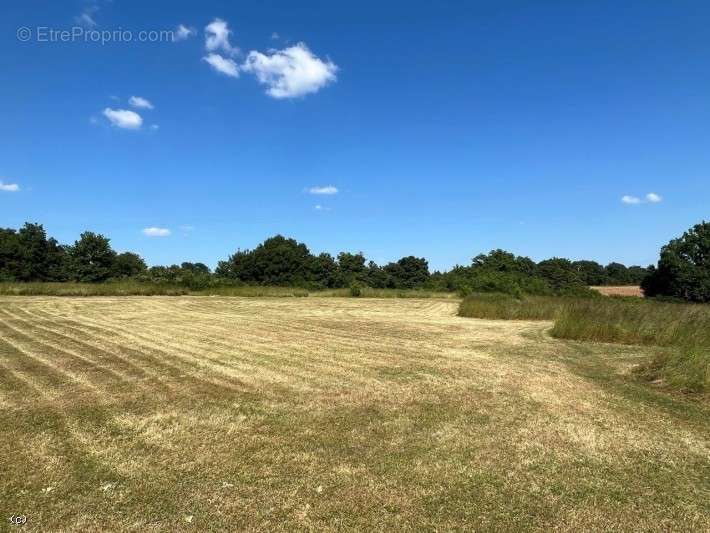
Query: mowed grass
{"points": [[195, 414]]}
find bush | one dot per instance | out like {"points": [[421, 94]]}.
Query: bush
{"points": [[355, 290]]}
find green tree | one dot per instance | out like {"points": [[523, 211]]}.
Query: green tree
{"points": [[58, 261], [195, 268], [617, 274], [408, 273], [10, 259], [92, 258], [377, 277], [684, 267], [351, 269], [277, 261], [559, 273], [636, 274], [128, 265], [32, 242], [324, 271], [502, 261], [590, 272]]}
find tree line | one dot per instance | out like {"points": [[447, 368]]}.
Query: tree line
{"points": [[28, 254]]}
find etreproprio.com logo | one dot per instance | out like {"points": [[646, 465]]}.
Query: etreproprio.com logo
{"points": [[46, 34]]}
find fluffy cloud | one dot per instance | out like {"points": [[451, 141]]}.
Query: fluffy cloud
{"points": [[630, 200], [182, 32], [224, 65], [217, 38], [328, 189], [156, 232], [123, 118], [650, 198], [290, 72], [140, 102], [9, 187]]}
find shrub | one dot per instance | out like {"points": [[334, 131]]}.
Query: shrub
{"points": [[355, 290]]}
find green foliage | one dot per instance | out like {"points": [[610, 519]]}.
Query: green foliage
{"points": [[590, 272], [128, 265], [408, 273], [559, 273], [684, 267], [324, 272], [355, 290], [502, 261], [92, 259], [28, 255], [377, 278], [351, 269], [277, 261]]}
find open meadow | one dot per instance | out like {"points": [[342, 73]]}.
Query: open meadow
{"points": [[218, 413]]}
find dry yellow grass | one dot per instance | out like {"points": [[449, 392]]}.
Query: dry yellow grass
{"points": [[625, 290], [211, 413]]}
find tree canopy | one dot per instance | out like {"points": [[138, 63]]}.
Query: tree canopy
{"points": [[28, 254], [683, 269]]}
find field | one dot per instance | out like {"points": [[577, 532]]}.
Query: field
{"points": [[624, 290], [218, 413]]}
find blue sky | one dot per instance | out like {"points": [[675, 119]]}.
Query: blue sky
{"points": [[447, 128]]}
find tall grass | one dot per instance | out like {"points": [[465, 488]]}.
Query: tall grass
{"points": [[140, 288], [685, 328], [118, 288], [504, 307], [629, 321]]}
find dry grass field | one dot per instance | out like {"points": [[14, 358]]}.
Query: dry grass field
{"points": [[625, 290], [212, 413]]}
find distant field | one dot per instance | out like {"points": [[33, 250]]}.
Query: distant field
{"points": [[619, 291], [214, 413]]}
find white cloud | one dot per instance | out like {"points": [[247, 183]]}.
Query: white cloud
{"points": [[275, 36], [182, 33], [140, 102], [650, 198], [217, 37], [321, 208], [291, 72], [9, 187], [328, 189], [224, 65], [156, 232], [630, 200], [123, 118]]}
